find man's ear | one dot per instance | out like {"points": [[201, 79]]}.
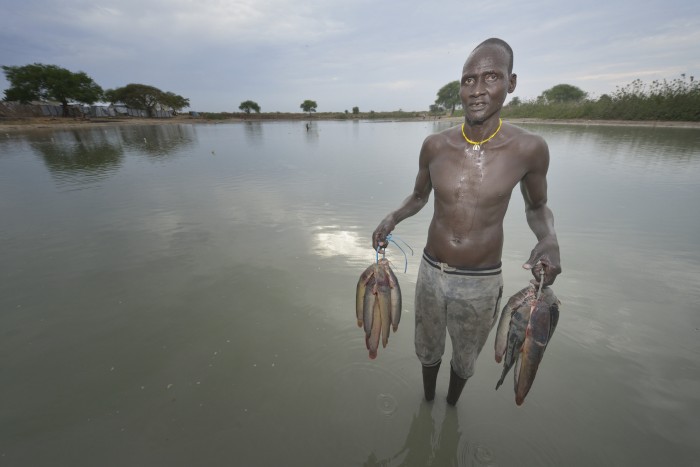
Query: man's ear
{"points": [[513, 81]]}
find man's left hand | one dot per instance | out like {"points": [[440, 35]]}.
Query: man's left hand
{"points": [[544, 257]]}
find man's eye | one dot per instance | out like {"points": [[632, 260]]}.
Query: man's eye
{"points": [[492, 77]]}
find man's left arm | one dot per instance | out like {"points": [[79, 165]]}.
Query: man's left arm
{"points": [[545, 255]]}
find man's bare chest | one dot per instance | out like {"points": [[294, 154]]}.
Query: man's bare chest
{"points": [[464, 176]]}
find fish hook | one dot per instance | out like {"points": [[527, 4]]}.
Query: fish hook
{"points": [[390, 238]]}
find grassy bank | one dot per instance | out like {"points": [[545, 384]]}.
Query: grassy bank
{"points": [[372, 115], [677, 100]]}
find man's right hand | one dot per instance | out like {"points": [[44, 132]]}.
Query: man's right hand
{"points": [[379, 235]]}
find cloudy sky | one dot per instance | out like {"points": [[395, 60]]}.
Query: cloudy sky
{"points": [[377, 55]]}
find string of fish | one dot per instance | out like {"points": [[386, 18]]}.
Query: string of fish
{"points": [[390, 238]]}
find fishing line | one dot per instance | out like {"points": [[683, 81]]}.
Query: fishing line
{"points": [[539, 291], [390, 238]]}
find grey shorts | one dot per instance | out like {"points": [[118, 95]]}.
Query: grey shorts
{"points": [[464, 302]]}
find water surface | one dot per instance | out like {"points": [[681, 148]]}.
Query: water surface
{"points": [[184, 295]]}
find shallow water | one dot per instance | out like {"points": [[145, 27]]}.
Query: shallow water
{"points": [[183, 295]]}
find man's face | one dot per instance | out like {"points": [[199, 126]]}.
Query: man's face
{"points": [[485, 83]]}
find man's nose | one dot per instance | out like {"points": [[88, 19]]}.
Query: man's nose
{"points": [[478, 89]]}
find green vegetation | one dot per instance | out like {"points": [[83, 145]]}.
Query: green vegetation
{"points": [[345, 115], [309, 106], [247, 106], [53, 83], [676, 100], [448, 97], [50, 82], [563, 93], [144, 97]]}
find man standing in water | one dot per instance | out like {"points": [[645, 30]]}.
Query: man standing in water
{"points": [[473, 169]]}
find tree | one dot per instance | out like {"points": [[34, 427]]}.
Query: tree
{"points": [[448, 96], [50, 82], [247, 106], [144, 97], [308, 106], [436, 109], [515, 101], [563, 93], [355, 110], [174, 101]]}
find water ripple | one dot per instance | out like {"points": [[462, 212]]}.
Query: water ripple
{"points": [[484, 446], [387, 404]]}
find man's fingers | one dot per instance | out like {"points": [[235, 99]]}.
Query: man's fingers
{"points": [[533, 260]]}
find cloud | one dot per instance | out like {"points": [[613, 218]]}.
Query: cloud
{"points": [[629, 75], [381, 55], [400, 85], [260, 21]]}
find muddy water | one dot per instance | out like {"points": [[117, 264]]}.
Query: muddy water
{"points": [[183, 295]]}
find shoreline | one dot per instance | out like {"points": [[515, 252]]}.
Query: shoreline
{"points": [[40, 123]]}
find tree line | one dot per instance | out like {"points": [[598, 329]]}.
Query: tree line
{"points": [[307, 106], [674, 100], [678, 99], [38, 81]]}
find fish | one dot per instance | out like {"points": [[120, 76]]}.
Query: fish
{"points": [[372, 339], [521, 298], [360, 293], [384, 301], [395, 300], [525, 327], [378, 304], [544, 317], [514, 319], [370, 299]]}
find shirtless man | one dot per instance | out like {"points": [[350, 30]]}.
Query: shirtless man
{"points": [[473, 168]]}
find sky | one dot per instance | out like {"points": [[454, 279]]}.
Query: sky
{"points": [[373, 54]]}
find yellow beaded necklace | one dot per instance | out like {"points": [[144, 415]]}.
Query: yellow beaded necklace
{"points": [[477, 145]]}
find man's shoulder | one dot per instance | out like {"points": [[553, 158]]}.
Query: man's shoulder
{"points": [[443, 138], [524, 139]]}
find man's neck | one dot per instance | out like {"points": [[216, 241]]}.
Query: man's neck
{"points": [[479, 130]]}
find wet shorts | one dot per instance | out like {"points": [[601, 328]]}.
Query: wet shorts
{"points": [[464, 302]]}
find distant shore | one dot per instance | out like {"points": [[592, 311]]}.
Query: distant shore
{"points": [[36, 123]]}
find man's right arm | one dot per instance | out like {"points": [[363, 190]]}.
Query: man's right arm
{"points": [[414, 202]]}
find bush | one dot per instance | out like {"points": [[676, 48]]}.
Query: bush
{"points": [[677, 100]]}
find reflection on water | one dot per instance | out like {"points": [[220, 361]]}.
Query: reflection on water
{"points": [[653, 148], [312, 131], [253, 132], [158, 141], [427, 446], [330, 241], [192, 302], [77, 158]]}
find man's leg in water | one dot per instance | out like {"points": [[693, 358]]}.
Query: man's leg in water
{"points": [[472, 310], [431, 325]]}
